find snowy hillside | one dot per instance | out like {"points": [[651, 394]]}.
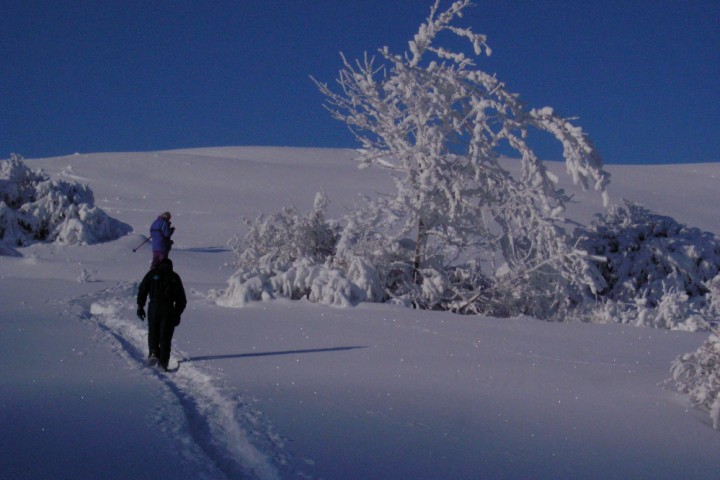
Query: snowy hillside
{"points": [[297, 390]]}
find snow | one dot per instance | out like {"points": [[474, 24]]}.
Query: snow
{"points": [[292, 389]]}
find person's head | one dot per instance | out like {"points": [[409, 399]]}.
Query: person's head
{"points": [[166, 215], [166, 263]]}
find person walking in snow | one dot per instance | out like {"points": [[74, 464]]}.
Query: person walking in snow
{"points": [[160, 233], [167, 303]]}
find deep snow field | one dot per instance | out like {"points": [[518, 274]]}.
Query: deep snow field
{"points": [[292, 390]]}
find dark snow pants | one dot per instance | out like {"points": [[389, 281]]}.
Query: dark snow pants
{"points": [[161, 326]]}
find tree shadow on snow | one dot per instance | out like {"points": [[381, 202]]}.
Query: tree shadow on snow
{"points": [[268, 354]]}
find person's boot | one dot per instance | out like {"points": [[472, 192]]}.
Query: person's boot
{"points": [[152, 359]]}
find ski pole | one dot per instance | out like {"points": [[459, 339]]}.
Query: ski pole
{"points": [[143, 243]]}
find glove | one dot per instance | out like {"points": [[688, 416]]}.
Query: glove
{"points": [[172, 230], [141, 313], [177, 320]]}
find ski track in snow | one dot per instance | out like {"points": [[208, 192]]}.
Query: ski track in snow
{"points": [[218, 423]]}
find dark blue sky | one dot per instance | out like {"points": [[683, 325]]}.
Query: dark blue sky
{"points": [[94, 76]]}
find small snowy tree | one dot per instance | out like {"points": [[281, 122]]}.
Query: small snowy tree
{"points": [[438, 125], [36, 208], [286, 254], [287, 236], [698, 375], [651, 254], [657, 272]]}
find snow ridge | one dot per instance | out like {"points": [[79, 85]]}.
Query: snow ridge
{"points": [[219, 423]]}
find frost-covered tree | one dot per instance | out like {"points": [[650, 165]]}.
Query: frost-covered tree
{"points": [[438, 124], [698, 375], [647, 254], [286, 254], [657, 271], [35, 208], [287, 236], [658, 268]]}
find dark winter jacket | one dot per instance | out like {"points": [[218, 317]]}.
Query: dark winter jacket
{"points": [[166, 292], [160, 232]]}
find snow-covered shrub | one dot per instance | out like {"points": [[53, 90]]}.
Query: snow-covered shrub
{"points": [[383, 267], [631, 266], [301, 279], [17, 182], [674, 312], [651, 254], [365, 277], [698, 375], [287, 254], [245, 286], [35, 208], [657, 271], [287, 236], [316, 237], [712, 299]]}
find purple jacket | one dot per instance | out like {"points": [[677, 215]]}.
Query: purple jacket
{"points": [[160, 233]]}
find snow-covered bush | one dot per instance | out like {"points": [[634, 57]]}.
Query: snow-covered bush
{"points": [[301, 279], [651, 254], [698, 375], [657, 271], [712, 299], [35, 208], [287, 236], [287, 254], [637, 257]]}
